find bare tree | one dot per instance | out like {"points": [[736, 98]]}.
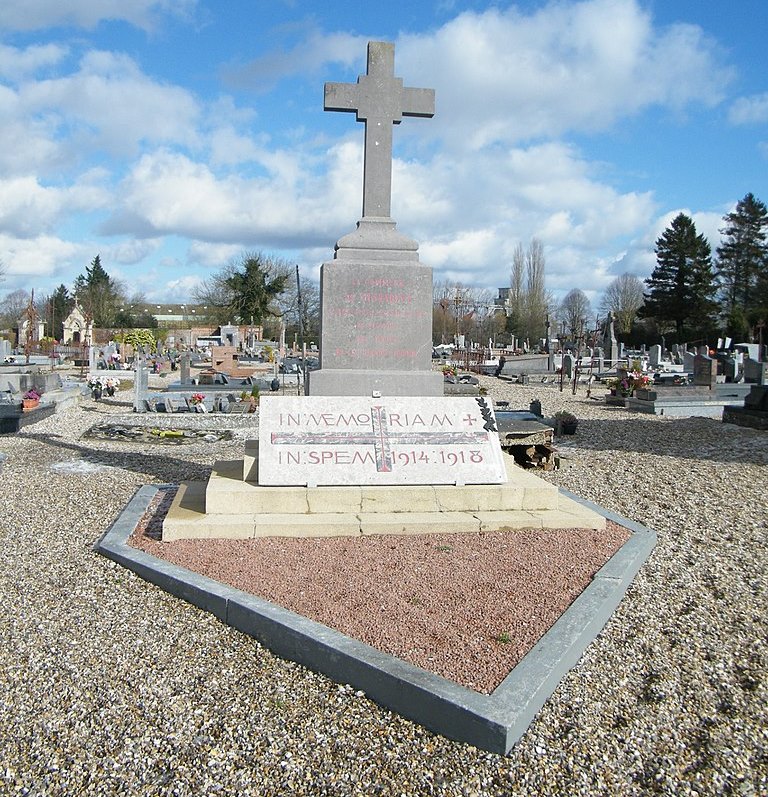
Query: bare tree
{"points": [[623, 297], [12, 308], [574, 312]]}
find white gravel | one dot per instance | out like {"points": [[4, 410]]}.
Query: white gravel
{"points": [[110, 686]]}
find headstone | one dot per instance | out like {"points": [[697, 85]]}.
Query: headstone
{"points": [[312, 440], [184, 362], [755, 372], [704, 370], [654, 356], [568, 365], [688, 358], [730, 369], [140, 387], [376, 298], [5, 349]]}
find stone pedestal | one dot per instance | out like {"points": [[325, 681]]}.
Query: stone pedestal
{"points": [[376, 318]]}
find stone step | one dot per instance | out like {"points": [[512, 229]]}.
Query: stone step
{"points": [[227, 490], [188, 520], [244, 510]]}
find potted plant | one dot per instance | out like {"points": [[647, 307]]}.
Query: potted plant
{"points": [[30, 399], [566, 422]]}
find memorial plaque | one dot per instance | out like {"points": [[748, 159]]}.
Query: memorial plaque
{"points": [[325, 440]]}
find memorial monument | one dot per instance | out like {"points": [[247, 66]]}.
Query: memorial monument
{"points": [[375, 447], [375, 296]]}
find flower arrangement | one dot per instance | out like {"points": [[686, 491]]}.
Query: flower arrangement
{"points": [[449, 370], [627, 384], [95, 383], [197, 398], [31, 395]]}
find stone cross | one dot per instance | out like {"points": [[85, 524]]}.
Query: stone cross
{"points": [[380, 100]]}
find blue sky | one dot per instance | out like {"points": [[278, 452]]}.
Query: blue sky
{"points": [[170, 136]]}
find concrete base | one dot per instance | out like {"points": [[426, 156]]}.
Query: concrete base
{"points": [[229, 507], [743, 416]]}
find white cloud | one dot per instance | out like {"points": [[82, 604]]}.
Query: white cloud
{"points": [[210, 255], [27, 208], [112, 105], [749, 110], [501, 76], [16, 63], [43, 256], [28, 15]]}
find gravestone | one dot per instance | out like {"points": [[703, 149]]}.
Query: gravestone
{"points": [[140, 387], [755, 372], [375, 296], [5, 349], [688, 359], [184, 364], [654, 356], [704, 371], [568, 364], [730, 369]]}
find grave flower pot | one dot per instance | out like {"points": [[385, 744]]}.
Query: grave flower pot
{"points": [[96, 393], [29, 404], [569, 428]]}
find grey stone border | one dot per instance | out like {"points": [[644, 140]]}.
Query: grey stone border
{"points": [[492, 722]]}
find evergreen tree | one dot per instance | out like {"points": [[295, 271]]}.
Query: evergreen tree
{"points": [[98, 294], [742, 261], [245, 291], [59, 307], [682, 286]]}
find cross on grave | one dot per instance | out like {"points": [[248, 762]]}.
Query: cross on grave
{"points": [[380, 100], [381, 438]]}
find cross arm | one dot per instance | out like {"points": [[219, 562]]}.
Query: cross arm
{"points": [[418, 102], [341, 97]]}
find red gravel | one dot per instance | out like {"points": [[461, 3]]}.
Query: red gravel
{"points": [[465, 606]]}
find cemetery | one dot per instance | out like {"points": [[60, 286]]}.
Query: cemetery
{"points": [[385, 563]]}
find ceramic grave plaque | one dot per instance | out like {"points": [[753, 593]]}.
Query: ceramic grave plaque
{"points": [[326, 440]]}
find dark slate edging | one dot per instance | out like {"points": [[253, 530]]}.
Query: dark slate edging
{"points": [[491, 722]]}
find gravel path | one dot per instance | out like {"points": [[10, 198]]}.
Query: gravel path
{"points": [[110, 686]]}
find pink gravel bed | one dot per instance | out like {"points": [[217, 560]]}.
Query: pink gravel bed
{"points": [[465, 606]]}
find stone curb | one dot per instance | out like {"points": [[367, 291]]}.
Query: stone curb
{"points": [[492, 722]]}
